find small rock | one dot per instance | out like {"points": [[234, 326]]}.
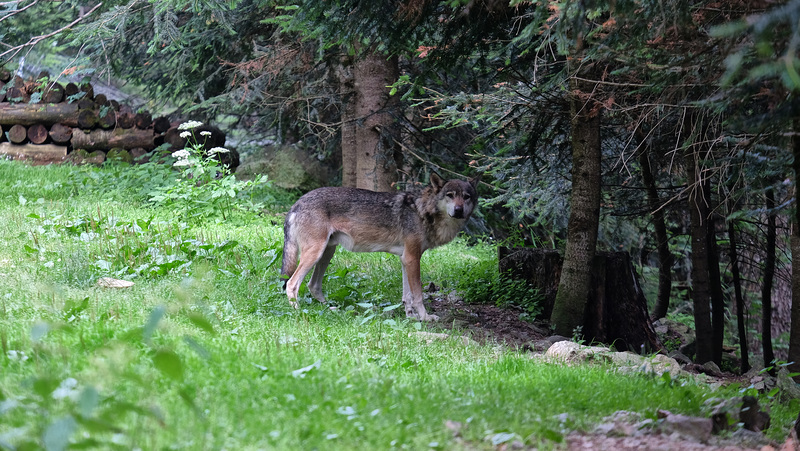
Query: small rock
{"points": [[680, 357], [712, 368], [454, 426], [108, 282], [684, 426], [788, 388], [430, 337], [570, 352]]}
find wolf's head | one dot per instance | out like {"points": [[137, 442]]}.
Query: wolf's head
{"points": [[458, 198]]}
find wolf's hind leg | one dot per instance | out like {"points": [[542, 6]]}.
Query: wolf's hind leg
{"points": [[315, 284], [309, 255]]}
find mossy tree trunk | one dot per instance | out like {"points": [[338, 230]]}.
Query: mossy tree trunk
{"points": [[575, 283], [375, 128]]}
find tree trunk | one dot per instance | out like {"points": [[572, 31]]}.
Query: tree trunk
{"points": [[53, 93], [584, 218], [715, 286], [87, 119], [37, 133], [376, 168], [616, 311], [29, 114], [17, 134], [733, 254], [665, 259], [125, 120], [43, 153], [107, 118], [108, 139], [348, 131], [60, 133], [794, 334], [701, 289], [769, 276], [142, 120]]}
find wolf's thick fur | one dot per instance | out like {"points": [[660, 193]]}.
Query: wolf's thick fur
{"points": [[402, 223]]}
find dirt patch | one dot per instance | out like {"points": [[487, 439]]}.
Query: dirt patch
{"points": [[487, 323]]}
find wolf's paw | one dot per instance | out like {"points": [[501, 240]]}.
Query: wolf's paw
{"points": [[294, 304], [426, 317]]}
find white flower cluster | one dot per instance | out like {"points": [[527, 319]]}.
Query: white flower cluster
{"points": [[189, 125], [17, 356], [182, 157], [216, 150], [67, 389]]}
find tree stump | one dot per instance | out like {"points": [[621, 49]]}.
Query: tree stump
{"points": [[125, 120], [60, 133], [87, 119], [17, 134], [53, 93], [37, 133], [101, 100], [107, 118], [70, 91], [616, 311], [142, 120], [161, 124]]}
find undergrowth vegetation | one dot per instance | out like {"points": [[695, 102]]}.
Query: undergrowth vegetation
{"points": [[204, 351]]}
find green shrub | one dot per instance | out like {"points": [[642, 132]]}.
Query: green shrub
{"points": [[482, 283]]}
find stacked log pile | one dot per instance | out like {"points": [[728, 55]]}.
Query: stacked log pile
{"points": [[47, 122]]}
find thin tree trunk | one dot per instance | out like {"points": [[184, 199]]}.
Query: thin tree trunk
{"points": [[584, 218], [348, 131], [701, 290], [794, 334], [769, 276], [733, 254], [665, 259], [715, 285]]}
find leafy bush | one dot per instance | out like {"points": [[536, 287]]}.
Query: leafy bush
{"points": [[206, 186], [483, 283], [203, 188]]}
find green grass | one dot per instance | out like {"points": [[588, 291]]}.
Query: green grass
{"points": [[204, 352]]}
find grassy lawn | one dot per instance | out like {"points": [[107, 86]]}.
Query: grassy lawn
{"points": [[204, 352]]}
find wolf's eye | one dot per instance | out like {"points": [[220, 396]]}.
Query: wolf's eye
{"points": [[467, 197], [450, 194]]}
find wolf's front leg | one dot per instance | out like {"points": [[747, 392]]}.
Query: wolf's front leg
{"points": [[412, 288]]}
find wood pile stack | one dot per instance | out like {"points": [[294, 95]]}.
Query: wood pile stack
{"points": [[46, 122]]}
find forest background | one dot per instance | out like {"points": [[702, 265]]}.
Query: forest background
{"points": [[664, 129]]}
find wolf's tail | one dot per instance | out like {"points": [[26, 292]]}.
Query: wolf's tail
{"points": [[290, 249]]}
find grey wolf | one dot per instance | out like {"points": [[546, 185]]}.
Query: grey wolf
{"points": [[402, 223]]}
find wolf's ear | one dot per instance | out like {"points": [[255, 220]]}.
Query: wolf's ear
{"points": [[475, 180], [436, 181]]}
